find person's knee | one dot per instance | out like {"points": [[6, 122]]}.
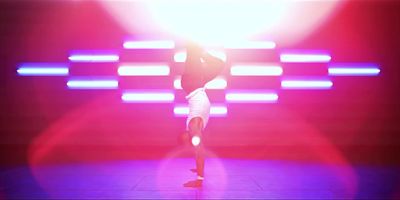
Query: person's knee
{"points": [[195, 124], [195, 127]]}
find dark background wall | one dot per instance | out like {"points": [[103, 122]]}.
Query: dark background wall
{"points": [[357, 120]]}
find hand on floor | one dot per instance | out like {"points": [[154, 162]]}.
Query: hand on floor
{"points": [[194, 184]]}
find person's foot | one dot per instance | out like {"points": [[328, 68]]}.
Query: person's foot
{"points": [[194, 184]]}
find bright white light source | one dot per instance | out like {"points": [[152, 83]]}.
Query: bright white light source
{"points": [[251, 97], [305, 58], [92, 84], [215, 21], [147, 97], [181, 55], [353, 70], [222, 20], [306, 84], [196, 140], [256, 70], [251, 45], [161, 44], [43, 69], [144, 70], [94, 58]]}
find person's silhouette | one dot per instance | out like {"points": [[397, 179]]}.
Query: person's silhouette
{"points": [[200, 68]]}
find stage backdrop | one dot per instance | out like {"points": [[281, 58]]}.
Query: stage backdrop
{"points": [[355, 117]]}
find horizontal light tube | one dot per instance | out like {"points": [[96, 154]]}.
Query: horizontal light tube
{"points": [[251, 97], [353, 71], [94, 58], [305, 58], [160, 44], [216, 84], [256, 70], [92, 84], [43, 71], [144, 70], [214, 110], [306, 84], [181, 55], [148, 97]]}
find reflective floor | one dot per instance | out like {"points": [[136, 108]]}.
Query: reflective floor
{"points": [[225, 178]]}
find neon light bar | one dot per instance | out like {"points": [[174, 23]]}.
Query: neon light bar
{"points": [[92, 84], [148, 97], [218, 110], [353, 70], [251, 45], [177, 84], [94, 58], [216, 84], [306, 84], [43, 69], [214, 110], [181, 56], [256, 70], [144, 70], [181, 110], [305, 58], [160, 44], [251, 97]]}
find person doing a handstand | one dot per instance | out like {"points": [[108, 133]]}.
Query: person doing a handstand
{"points": [[200, 68]]}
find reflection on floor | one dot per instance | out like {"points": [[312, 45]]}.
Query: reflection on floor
{"points": [[225, 178]]}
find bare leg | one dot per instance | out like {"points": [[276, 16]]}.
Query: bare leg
{"points": [[195, 128], [200, 160]]}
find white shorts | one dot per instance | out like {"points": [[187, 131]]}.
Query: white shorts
{"points": [[199, 106]]}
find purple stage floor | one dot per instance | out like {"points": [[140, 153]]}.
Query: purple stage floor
{"points": [[225, 178]]}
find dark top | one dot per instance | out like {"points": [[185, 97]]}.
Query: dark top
{"points": [[198, 73]]}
